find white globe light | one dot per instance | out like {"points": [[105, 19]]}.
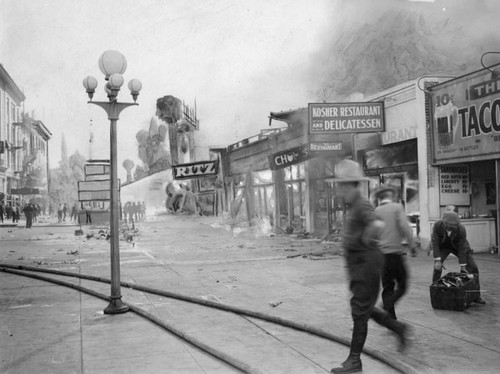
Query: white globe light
{"points": [[134, 85], [90, 83], [115, 80], [112, 62]]}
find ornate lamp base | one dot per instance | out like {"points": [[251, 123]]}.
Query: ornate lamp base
{"points": [[116, 306]]}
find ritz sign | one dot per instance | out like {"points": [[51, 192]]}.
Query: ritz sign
{"points": [[196, 170]]}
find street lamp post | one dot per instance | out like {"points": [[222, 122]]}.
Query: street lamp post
{"points": [[113, 64]]}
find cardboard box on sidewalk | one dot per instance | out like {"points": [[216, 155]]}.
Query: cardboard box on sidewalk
{"points": [[454, 291]]}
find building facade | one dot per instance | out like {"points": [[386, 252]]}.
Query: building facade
{"points": [[24, 148], [11, 98]]}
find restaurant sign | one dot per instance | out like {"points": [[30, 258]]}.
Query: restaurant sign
{"points": [[335, 118], [466, 117], [326, 146], [289, 157], [196, 170]]}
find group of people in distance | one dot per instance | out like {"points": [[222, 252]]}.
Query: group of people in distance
{"points": [[13, 211], [376, 240], [134, 211], [10, 211]]}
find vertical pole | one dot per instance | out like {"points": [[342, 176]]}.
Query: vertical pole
{"points": [[115, 306], [497, 215]]}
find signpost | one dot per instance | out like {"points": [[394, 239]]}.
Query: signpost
{"points": [[95, 190]]}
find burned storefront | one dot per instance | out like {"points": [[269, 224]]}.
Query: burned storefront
{"points": [[258, 185], [287, 175]]}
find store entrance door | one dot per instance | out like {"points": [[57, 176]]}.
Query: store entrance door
{"points": [[330, 212], [292, 210]]}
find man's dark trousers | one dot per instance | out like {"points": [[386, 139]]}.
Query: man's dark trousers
{"points": [[394, 281], [364, 272]]}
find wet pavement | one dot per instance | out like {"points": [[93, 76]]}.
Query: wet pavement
{"points": [[46, 328]]}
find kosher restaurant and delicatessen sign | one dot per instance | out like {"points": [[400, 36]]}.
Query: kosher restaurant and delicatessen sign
{"points": [[336, 118]]}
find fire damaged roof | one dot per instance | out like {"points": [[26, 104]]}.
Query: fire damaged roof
{"points": [[293, 118]]}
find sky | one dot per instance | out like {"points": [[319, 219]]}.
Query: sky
{"points": [[239, 60]]}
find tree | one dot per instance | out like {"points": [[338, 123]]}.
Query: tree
{"points": [[64, 186], [140, 172], [128, 164], [151, 148]]}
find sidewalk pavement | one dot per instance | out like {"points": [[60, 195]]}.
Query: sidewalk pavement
{"points": [[45, 328]]}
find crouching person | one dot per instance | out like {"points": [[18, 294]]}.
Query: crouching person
{"points": [[449, 236]]}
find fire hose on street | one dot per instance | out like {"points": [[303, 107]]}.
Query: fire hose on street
{"points": [[380, 356]]}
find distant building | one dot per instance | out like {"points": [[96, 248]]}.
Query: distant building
{"points": [[11, 98], [24, 152]]}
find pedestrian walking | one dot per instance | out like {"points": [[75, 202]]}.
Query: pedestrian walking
{"points": [[64, 211], [15, 213], [143, 211], [1, 211], [59, 213], [395, 232], [88, 217], [74, 213], [449, 236], [131, 211], [8, 211], [28, 213], [38, 209], [364, 262]]}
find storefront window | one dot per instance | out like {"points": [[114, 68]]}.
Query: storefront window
{"points": [[262, 177], [294, 172], [392, 155]]}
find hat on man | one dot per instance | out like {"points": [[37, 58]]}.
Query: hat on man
{"points": [[384, 188], [349, 171], [450, 218]]}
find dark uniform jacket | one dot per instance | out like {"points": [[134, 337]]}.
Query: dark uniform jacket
{"points": [[459, 243], [357, 234]]}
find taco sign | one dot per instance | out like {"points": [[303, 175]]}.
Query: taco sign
{"points": [[466, 117]]}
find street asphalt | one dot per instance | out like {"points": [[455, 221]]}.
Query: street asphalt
{"points": [[46, 328]]}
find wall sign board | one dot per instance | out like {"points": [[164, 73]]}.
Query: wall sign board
{"points": [[289, 157], [196, 169], [326, 146], [336, 118], [454, 186], [466, 117], [92, 169]]}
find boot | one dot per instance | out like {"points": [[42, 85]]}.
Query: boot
{"points": [[351, 365], [399, 328], [402, 330]]}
